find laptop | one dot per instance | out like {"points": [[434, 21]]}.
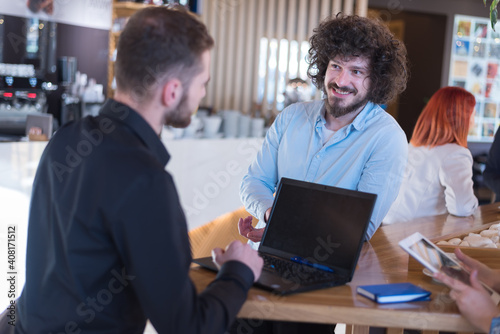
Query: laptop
{"points": [[313, 237]]}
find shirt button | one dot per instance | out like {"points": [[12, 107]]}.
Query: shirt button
{"points": [[317, 156]]}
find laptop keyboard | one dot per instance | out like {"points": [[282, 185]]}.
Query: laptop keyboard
{"points": [[296, 272]]}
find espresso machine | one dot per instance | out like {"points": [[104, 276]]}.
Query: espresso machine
{"points": [[22, 93]]}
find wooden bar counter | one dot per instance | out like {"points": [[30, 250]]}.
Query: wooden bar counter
{"points": [[381, 261]]}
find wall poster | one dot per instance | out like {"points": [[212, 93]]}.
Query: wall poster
{"points": [[474, 65]]}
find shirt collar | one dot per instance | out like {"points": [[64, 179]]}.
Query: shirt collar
{"points": [[137, 124], [358, 123]]}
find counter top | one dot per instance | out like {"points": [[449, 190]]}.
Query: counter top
{"points": [[207, 173]]}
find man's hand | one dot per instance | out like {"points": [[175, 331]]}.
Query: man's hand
{"points": [[239, 252], [485, 274], [248, 231], [473, 301]]}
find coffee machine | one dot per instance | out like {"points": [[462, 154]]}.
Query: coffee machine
{"points": [[22, 93]]}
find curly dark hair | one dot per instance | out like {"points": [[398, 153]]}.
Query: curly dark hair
{"points": [[351, 36]]}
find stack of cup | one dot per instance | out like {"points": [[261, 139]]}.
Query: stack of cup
{"points": [[211, 125], [244, 126], [178, 132], [257, 127], [231, 119], [191, 130], [235, 124]]}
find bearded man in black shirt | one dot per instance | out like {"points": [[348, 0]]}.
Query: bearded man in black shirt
{"points": [[108, 244]]}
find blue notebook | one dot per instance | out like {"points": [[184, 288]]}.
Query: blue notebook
{"points": [[393, 292]]}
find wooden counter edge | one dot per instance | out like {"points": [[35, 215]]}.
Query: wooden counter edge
{"points": [[288, 311]]}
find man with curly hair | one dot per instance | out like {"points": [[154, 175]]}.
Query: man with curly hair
{"points": [[345, 140]]}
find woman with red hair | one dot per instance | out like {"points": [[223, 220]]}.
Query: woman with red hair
{"points": [[438, 176]]}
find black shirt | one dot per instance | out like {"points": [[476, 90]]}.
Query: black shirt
{"points": [[108, 243]]}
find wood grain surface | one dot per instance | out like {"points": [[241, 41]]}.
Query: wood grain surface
{"points": [[381, 261]]}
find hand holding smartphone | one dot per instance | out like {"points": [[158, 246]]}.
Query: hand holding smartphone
{"points": [[434, 259]]}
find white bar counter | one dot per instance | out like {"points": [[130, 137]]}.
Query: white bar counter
{"points": [[207, 173]]}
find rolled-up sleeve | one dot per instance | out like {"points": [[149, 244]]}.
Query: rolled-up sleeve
{"points": [[259, 184]]}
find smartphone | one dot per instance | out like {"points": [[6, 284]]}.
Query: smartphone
{"points": [[434, 259]]}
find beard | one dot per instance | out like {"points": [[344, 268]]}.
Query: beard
{"points": [[181, 117], [332, 103]]}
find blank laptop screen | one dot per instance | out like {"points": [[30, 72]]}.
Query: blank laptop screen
{"points": [[317, 222]]}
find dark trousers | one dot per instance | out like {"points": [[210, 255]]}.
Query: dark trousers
{"points": [[257, 326]]}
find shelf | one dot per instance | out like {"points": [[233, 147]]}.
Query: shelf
{"points": [[123, 9], [130, 5]]}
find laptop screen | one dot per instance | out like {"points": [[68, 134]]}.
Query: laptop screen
{"points": [[320, 223]]}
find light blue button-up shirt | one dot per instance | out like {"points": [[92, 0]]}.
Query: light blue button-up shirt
{"points": [[368, 155]]}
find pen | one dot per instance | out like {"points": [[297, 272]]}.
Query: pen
{"points": [[301, 260]]}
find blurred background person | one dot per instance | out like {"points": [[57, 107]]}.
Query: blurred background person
{"points": [[297, 90], [438, 176]]}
